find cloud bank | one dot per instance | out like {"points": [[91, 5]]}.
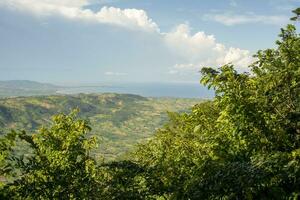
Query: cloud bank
{"points": [[194, 50], [74, 9]]}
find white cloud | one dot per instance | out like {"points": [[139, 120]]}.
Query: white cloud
{"points": [[200, 50], [128, 17], [67, 3], [46, 5], [187, 45], [115, 74], [237, 56], [73, 9], [229, 19], [193, 50]]}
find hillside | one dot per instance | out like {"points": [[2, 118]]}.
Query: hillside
{"points": [[15, 88], [119, 120]]}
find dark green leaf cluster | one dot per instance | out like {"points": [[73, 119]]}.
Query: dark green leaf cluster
{"points": [[59, 165]]}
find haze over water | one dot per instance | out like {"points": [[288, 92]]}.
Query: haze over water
{"points": [[180, 90]]}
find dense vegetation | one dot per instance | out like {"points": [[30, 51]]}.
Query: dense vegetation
{"points": [[119, 121], [245, 144]]}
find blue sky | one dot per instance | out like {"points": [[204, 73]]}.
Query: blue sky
{"points": [[91, 41]]}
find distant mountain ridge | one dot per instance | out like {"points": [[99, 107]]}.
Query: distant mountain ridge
{"points": [[27, 84], [13, 88]]}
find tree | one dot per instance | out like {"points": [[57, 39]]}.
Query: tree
{"points": [[59, 165], [180, 153], [297, 13], [7, 143], [243, 145]]}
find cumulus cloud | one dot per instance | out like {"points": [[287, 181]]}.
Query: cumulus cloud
{"points": [[194, 50], [74, 9], [187, 45], [229, 19], [200, 50]]}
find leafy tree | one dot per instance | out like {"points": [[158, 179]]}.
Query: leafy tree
{"points": [[59, 166], [6, 167], [297, 13], [181, 152], [243, 145], [124, 180]]}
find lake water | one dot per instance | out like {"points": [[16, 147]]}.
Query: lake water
{"points": [[181, 90]]}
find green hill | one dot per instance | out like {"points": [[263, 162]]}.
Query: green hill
{"points": [[119, 120]]}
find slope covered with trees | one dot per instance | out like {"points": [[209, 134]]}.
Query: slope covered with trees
{"points": [[245, 144], [119, 120]]}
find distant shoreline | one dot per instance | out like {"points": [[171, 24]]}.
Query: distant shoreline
{"points": [[174, 90]]}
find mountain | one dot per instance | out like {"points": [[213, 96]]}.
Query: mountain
{"points": [[119, 120], [15, 88]]}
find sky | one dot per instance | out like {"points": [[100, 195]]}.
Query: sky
{"points": [[93, 41]]}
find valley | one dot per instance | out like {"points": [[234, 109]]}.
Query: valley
{"points": [[119, 121]]}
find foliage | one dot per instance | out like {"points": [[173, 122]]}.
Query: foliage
{"points": [[59, 159], [297, 13], [245, 144], [7, 143], [124, 180], [59, 163]]}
